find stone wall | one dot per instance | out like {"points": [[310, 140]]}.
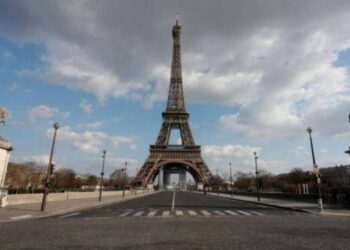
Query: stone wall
{"points": [[16, 199]]}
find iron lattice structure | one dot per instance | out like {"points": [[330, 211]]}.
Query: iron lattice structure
{"points": [[174, 117]]}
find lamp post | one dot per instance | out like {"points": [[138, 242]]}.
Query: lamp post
{"points": [[126, 164], [49, 169], [257, 177], [102, 173], [348, 151], [316, 171], [231, 184]]}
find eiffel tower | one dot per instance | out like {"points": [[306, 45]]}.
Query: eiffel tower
{"points": [[165, 158]]}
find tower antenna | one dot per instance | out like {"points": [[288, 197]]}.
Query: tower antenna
{"points": [[177, 18]]}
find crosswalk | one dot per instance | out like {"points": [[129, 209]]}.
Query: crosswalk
{"points": [[165, 213]]}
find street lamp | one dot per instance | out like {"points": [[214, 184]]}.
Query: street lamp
{"points": [[231, 184], [49, 169], [257, 176], [316, 171], [348, 151], [102, 173], [126, 164]]}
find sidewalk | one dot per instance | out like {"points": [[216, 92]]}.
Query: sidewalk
{"points": [[288, 204], [32, 210]]}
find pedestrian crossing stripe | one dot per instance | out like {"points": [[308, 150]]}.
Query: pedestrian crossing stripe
{"points": [[244, 213], [230, 212], [166, 213], [192, 212], [139, 213], [178, 213], [219, 213], [125, 214], [152, 213], [256, 213], [206, 213]]}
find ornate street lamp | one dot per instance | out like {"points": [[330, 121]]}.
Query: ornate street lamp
{"points": [[231, 184], [102, 173], [316, 171], [49, 169], [257, 176]]}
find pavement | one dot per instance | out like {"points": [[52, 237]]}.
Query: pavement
{"points": [[32, 210], [179, 220], [288, 204]]}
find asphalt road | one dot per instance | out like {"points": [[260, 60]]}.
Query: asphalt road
{"points": [[180, 220]]}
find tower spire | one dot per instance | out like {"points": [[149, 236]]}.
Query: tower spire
{"points": [[176, 97]]}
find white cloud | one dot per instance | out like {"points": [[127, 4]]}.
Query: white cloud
{"points": [[43, 111], [300, 151], [41, 160], [87, 141], [119, 140], [86, 106], [241, 157], [229, 151]]}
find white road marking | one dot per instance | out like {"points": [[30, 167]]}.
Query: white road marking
{"points": [[256, 213], [152, 213], [206, 213], [26, 216], [192, 212], [68, 215], [125, 214], [173, 203], [179, 212], [242, 212], [166, 213], [230, 212], [139, 213], [217, 212]]}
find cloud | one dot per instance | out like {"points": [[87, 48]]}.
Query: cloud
{"points": [[241, 157], [229, 151], [119, 140], [87, 141], [41, 160], [86, 106], [273, 62], [300, 151], [43, 111]]}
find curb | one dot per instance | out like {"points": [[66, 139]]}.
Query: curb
{"points": [[265, 204]]}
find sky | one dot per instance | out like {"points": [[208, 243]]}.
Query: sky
{"points": [[256, 74]]}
